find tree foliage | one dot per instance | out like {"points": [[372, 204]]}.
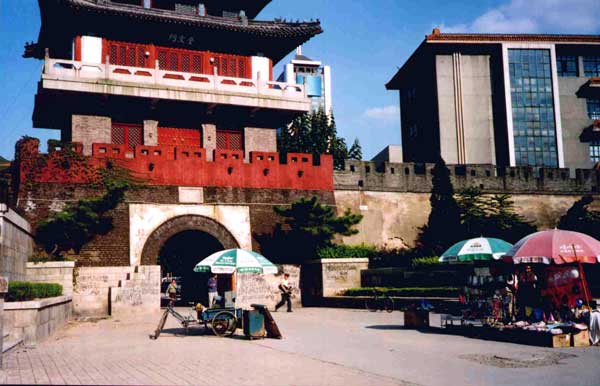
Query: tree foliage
{"points": [[77, 224], [444, 226], [355, 151], [580, 218], [309, 226], [314, 133]]}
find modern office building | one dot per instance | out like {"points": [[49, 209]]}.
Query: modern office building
{"points": [[314, 76], [503, 99]]}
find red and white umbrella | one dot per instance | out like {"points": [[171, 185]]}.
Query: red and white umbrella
{"points": [[555, 246], [558, 247]]}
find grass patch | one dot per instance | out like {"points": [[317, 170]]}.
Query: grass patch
{"points": [[405, 291], [20, 291], [346, 251]]}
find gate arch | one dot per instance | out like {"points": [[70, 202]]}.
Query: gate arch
{"points": [[180, 224]]}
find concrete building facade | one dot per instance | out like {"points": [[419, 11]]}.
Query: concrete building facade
{"points": [[506, 100]]}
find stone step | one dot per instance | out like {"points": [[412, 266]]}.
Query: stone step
{"points": [[10, 344]]}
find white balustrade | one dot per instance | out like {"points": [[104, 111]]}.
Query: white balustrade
{"points": [[71, 69]]}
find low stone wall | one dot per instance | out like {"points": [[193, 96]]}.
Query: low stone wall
{"points": [[35, 320], [329, 277], [255, 288], [60, 272], [3, 291], [100, 291], [16, 244]]}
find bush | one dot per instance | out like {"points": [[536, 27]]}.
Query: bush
{"points": [[346, 251], [425, 261], [405, 292], [19, 291], [44, 258]]}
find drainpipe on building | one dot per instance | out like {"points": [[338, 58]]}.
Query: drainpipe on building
{"points": [[3, 291]]}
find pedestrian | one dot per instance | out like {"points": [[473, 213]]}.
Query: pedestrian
{"points": [[212, 290], [172, 292], [286, 293]]}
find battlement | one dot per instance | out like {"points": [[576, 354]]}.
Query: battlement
{"points": [[414, 177], [174, 165]]}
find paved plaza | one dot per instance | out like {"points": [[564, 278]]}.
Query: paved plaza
{"points": [[320, 347]]}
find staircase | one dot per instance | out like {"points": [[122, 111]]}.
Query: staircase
{"points": [[139, 292]]}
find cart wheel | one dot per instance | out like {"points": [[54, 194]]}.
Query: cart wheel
{"points": [[224, 324], [371, 304], [388, 304]]}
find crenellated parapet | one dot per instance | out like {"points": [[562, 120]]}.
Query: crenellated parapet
{"points": [[175, 166], [415, 177]]}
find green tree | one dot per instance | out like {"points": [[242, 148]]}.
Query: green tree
{"points": [[580, 218], [78, 224], [504, 222], [473, 211], [355, 151], [313, 133], [310, 226], [444, 226]]}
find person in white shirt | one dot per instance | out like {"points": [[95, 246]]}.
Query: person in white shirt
{"points": [[285, 291]]}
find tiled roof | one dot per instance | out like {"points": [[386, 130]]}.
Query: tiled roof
{"points": [[438, 36], [252, 27]]}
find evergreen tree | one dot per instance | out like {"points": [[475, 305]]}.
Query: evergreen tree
{"points": [[580, 218], [355, 151], [313, 133], [312, 226], [444, 226], [473, 207], [503, 222]]}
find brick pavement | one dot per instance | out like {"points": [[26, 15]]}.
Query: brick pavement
{"points": [[120, 352]]}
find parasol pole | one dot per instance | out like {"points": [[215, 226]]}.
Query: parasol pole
{"points": [[581, 276]]}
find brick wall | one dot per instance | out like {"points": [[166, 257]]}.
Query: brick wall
{"points": [[88, 129]]}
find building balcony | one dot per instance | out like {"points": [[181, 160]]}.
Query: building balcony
{"points": [[65, 82]]}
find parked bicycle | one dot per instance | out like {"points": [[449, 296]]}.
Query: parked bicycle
{"points": [[379, 302]]}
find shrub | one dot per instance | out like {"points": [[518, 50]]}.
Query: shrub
{"points": [[424, 261], [346, 251], [44, 257], [404, 292], [19, 291]]}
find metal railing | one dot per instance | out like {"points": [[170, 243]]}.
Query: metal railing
{"points": [[71, 69]]}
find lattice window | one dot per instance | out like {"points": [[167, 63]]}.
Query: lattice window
{"points": [[113, 54], [124, 134], [223, 67], [141, 57], [162, 59], [118, 135], [122, 55], [197, 64], [173, 62], [229, 140], [185, 63]]}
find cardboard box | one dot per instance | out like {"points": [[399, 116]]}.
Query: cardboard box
{"points": [[416, 319], [581, 339]]}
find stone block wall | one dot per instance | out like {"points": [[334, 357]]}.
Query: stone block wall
{"points": [[332, 276], [36, 320], [255, 288], [88, 129], [100, 291], [60, 272], [16, 244], [259, 139]]}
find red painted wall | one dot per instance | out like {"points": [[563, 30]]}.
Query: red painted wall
{"points": [[179, 166]]}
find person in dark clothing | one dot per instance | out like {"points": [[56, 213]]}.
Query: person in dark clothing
{"points": [[212, 290], [286, 293]]}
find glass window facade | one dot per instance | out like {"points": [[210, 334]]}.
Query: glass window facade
{"points": [[534, 125], [567, 65], [595, 151], [591, 66], [593, 107]]}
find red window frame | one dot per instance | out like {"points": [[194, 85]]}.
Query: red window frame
{"points": [[173, 136], [226, 137], [133, 134]]}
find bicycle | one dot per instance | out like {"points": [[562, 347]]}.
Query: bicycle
{"points": [[379, 303]]}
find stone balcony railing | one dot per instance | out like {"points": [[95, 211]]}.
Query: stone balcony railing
{"points": [[77, 76]]}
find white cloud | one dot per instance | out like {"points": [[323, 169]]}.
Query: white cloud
{"points": [[386, 113], [535, 16]]}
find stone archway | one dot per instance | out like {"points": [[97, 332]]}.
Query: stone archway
{"points": [[180, 224]]}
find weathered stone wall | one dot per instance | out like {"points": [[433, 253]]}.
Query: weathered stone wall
{"points": [[33, 321], [259, 139], [16, 244], [60, 272], [392, 219], [3, 291], [113, 290], [329, 277], [255, 288], [88, 129]]}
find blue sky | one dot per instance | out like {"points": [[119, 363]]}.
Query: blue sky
{"points": [[364, 42]]}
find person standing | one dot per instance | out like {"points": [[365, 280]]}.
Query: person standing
{"points": [[212, 290], [172, 292], [286, 293]]}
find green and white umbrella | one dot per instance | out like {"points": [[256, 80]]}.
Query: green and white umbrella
{"points": [[481, 248], [236, 260]]}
